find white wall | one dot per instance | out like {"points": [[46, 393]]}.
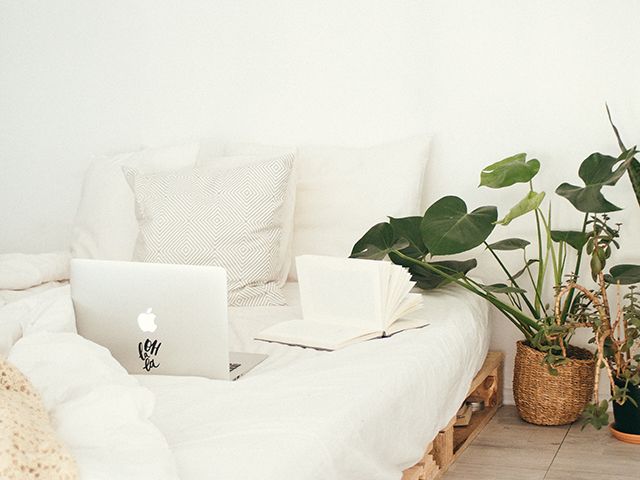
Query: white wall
{"points": [[487, 78], [511, 76]]}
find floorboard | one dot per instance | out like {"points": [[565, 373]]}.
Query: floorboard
{"points": [[509, 449]]}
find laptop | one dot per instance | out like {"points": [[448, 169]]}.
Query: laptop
{"points": [[158, 319]]}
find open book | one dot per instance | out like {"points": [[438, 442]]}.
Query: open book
{"points": [[346, 301]]}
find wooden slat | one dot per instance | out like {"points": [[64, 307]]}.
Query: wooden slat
{"points": [[443, 446], [462, 437], [493, 361], [413, 473], [450, 442]]}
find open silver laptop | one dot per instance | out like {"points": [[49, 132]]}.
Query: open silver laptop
{"points": [[158, 319]]}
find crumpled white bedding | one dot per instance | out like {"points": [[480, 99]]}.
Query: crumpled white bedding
{"points": [[366, 411], [23, 275], [19, 271]]}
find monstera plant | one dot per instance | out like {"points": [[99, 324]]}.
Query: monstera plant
{"points": [[423, 243], [449, 228]]}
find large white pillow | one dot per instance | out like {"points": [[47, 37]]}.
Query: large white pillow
{"points": [[343, 191], [105, 225]]}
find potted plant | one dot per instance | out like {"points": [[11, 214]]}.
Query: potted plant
{"points": [[616, 329], [557, 392]]}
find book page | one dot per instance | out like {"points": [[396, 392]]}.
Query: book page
{"points": [[400, 285], [412, 302], [341, 291], [406, 323], [386, 276], [320, 335]]}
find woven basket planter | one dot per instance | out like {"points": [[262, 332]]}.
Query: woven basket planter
{"points": [[545, 399]]}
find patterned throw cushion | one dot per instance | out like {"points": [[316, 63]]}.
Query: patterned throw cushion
{"points": [[29, 448], [205, 216]]}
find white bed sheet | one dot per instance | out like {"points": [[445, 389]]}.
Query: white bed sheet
{"points": [[364, 412]]}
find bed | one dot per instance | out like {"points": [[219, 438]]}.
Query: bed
{"points": [[364, 412]]}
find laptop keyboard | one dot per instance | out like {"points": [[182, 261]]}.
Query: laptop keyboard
{"points": [[233, 366]]}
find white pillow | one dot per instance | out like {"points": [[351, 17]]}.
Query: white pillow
{"points": [[342, 191], [208, 216], [105, 225]]}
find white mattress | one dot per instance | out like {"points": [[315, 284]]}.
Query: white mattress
{"points": [[364, 412]]}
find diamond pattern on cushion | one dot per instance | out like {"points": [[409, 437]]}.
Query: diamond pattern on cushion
{"points": [[204, 216]]}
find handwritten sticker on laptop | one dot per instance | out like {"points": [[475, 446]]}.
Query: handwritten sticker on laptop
{"points": [[147, 352]]}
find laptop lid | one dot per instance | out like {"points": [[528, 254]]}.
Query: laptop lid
{"points": [[160, 319]]}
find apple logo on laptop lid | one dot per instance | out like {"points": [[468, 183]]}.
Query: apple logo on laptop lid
{"points": [[147, 321]]}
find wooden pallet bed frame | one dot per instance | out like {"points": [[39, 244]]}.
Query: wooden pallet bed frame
{"points": [[451, 442]]}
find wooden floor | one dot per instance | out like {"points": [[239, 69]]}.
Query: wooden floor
{"points": [[510, 449]]}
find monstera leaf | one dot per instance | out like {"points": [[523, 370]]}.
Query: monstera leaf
{"points": [[624, 274], [429, 280], [408, 229], [529, 203], [596, 171], [404, 235], [511, 170], [576, 239], [509, 244], [377, 242], [502, 288], [448, 228]]}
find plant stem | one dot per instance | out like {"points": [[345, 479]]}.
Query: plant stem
{"points": [[555, 259], [533, 283], [513, 281], [539, 285], [562, 255], [515, 300], [519, 319], [569, 301]]}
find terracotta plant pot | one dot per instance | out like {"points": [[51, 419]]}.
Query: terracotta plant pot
{"points": [[545, 399], [624, 437]]}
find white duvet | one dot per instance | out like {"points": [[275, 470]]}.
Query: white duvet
{"points": [[364, 412]]}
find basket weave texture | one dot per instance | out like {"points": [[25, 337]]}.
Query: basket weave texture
{"points": [[545, 399]]}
